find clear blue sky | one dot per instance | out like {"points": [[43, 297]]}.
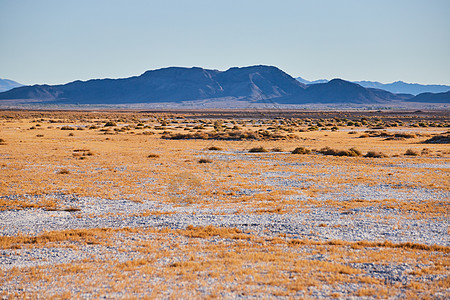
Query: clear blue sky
{"points": [[57, 41]]}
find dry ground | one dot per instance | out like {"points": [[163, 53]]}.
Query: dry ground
{"points": [[174, 205]]}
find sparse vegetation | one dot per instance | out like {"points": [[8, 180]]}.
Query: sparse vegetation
{"points": [[110, 124], [214, 148], [439, 139], [138, 176], [205, 161], [411, 152], [334, 152], [258, 149], [301, 150], [375, 154]]}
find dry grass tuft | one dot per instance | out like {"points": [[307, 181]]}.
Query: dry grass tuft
{"points": [[63, 171], [334, 152], [214, 148], [301, 150], [258, 149], [204, 161], [211, 231], [375, 154], [412, 152], [439, 139]]}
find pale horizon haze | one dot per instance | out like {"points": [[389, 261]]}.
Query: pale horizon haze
{"points": [[55, 42]]}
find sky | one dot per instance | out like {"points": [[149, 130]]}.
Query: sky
{"points": [[58, 41]]}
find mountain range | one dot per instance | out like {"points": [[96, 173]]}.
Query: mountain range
{"points": [[175, 84], [398, 87], [6, 85]]}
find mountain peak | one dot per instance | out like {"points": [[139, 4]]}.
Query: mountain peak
{"points": [[178, 84], [7, 84]]}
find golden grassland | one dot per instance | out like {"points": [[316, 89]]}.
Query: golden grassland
{"points": [[172, 262], [186, 159]]}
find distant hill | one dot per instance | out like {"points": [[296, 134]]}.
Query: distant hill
{"points": [[304, 81], [174, 84], [6, 85], [398, 87], [432, 98]]}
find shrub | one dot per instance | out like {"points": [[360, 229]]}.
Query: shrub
{"points": [[67, 128], [153, 155], [334, 152], [110, 124], [301, 150], [214, 148], [2, 142], [375, 154], [233, 135], [411, 152], [439, 139], [63, 171], [204, 161], [277, 149], [425, 151], [257, 149]]}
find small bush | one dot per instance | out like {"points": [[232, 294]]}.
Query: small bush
{"points": [[411, 152], [2, 142], [214, 148], [257, 149], [301, 150], [63, 171], [204, 161], [425, 151], [277, 149], [110, 124], [375, 154], [153, 155], [67, 128], [334, 152], [439, 139]]}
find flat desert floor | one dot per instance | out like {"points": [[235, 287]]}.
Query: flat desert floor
{"points": [[265, 204]]}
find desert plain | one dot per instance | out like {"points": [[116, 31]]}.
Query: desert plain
{"points": [[224, 204]]}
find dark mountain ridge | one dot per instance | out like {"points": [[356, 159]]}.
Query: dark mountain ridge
{"points": [[398, 87], [174, 84]]}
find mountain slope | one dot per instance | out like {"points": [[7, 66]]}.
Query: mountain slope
{"points": [[341, 91], [174, 84], [398, 87], [169, 85], [432, 98], [6, 84], [304, 81]]}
